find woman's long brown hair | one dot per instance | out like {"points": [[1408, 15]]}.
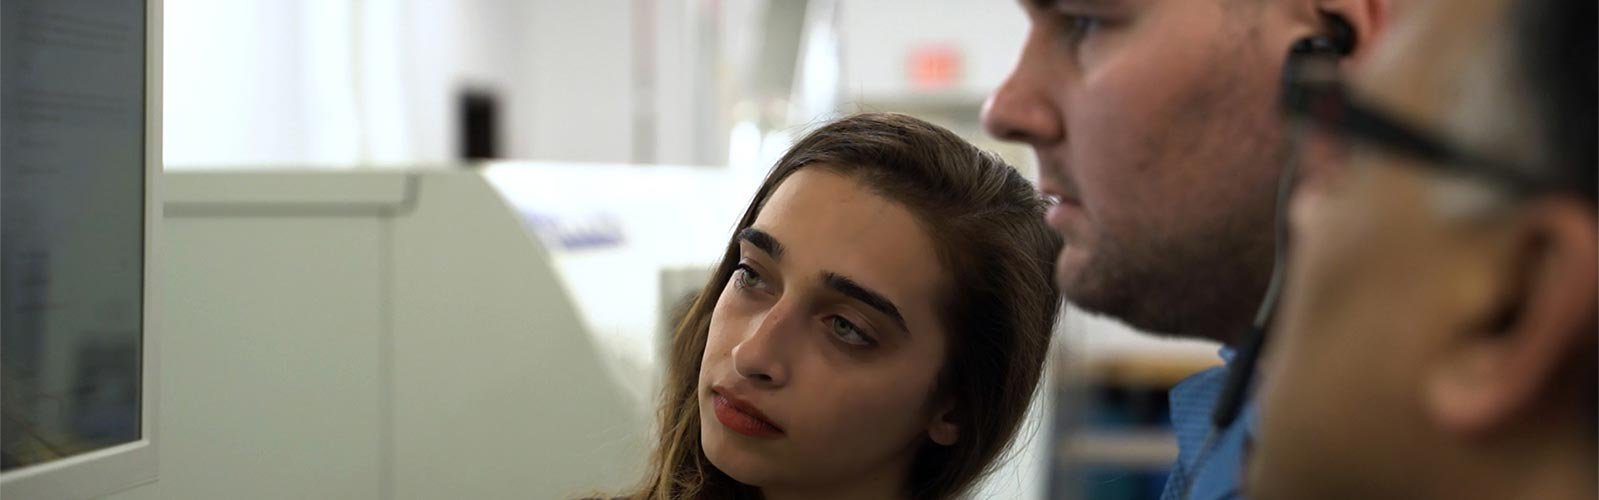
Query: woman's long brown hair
{"points": [[988, 224]]}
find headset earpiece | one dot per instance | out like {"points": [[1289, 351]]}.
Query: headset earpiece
{"points": [[1338, 41]]}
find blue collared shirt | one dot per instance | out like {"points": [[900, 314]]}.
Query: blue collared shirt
{"points": [[1218, 473]]}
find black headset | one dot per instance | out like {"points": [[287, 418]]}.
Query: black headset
{"points": [[1338, 42]]}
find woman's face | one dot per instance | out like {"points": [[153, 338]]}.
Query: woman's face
{"points": [[825, 344]]}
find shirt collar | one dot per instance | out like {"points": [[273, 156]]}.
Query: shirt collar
{"points": [[1193, 401], [1227, 353]]}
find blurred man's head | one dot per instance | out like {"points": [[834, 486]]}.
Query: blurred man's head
{"points": [[1438, 338], [1155, 124]]}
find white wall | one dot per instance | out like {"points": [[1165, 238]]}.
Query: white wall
{"points": [[339, 83], [879, 36], [234, 89], [561, 69]]}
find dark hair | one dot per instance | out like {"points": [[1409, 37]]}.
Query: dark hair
{"points": [[1556, 52], [987, 223]]}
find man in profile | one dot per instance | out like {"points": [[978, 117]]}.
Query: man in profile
{"points": [[1156, 126], [1438, 338]]}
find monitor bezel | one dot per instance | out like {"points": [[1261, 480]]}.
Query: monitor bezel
{"points": [[117, 468]]}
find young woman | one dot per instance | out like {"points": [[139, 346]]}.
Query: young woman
{"points": [[875, 329]]}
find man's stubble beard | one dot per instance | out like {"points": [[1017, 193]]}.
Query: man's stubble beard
{"points": [[1196, 277], [1207, 283]]}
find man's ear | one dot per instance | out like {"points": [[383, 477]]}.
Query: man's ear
{"points": [[943, 429], [1368, 19], [1542, 324]]}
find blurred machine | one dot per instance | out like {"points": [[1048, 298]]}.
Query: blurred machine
{"points": [[630, 245], [383, 335]]}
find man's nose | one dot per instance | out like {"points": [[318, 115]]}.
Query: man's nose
{"points": [[1021, 110]]}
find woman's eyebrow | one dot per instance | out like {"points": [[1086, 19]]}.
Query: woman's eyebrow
{"points": [[875, 300], [763, 241]]}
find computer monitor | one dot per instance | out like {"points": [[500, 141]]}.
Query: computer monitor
{"points": [[80, 154]]}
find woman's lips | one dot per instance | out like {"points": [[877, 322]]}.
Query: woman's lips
{"points": [[743, 418]]}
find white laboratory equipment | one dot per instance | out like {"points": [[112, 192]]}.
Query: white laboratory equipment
{"points": [[438, 333]]}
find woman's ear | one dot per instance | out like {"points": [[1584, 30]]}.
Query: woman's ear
{"points": [[1542, 325], [942, 429]]}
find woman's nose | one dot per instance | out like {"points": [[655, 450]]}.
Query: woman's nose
{"points": [[762, 356]]}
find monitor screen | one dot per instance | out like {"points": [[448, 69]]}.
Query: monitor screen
{"points": [[72, 226]]}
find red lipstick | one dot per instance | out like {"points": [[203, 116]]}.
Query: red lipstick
{"points": [[742, 417]]}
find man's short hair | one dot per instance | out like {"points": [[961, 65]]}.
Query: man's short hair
{"points": [[1555, 51]]}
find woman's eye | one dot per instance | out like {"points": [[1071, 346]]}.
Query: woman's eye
{"points": [[849, 333], [745, 277]]}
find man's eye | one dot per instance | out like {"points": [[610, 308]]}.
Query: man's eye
{"points": [[1078, 27]]}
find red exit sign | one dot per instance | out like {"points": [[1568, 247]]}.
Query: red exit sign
{"points": [[934, 67]]}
